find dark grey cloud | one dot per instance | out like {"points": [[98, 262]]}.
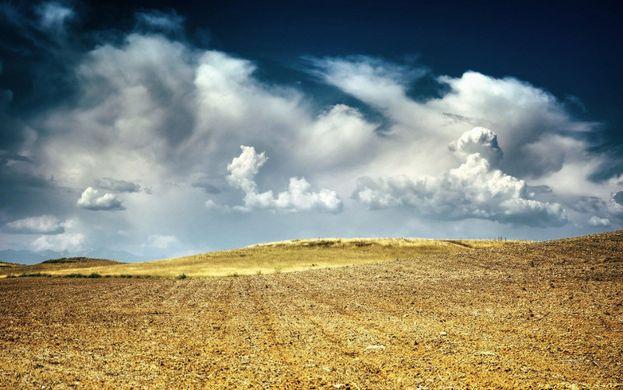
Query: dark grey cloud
{"points": [[7, 158], [115, 185], [13, 131], [611, 165], [539, 190], [588, 204], [207, 184], [25, 192]]}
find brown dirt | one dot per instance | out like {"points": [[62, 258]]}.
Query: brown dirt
{"points": [[524, 315]]}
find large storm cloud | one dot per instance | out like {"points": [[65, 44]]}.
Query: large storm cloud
{"points": [[475, 189]]}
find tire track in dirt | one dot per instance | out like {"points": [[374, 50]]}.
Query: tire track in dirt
{"points": [[264, 308], [460, 331], [215, 318], [354, 356], [320, 354], [336, 305], [403, 337]]}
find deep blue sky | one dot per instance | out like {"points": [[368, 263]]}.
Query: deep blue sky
{"points": [[569, 48]]}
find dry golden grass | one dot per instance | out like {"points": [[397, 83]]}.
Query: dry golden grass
{"points": [[288, 256], [4, 266]]}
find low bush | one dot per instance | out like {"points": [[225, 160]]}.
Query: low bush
{"points": [[74, 276], [35, 275], [92, 275]]}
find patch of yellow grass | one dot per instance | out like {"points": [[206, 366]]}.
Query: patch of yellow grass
{"points": [[385, 242], [288, 256]]}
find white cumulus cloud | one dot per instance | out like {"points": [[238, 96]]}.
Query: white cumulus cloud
{"points": [[597, 221], [92, 199], [298, 197], [478, 140], [473, 190]]}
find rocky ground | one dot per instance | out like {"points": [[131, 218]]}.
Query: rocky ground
{"points": [[523, 315]]}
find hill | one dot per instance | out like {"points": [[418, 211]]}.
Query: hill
{"points": [[53, 266], [295, 255], [6, 264]]}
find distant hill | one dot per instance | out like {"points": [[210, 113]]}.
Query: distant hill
{"points": [[6, 264], [32, 257], [54, 265], [74, 260]]}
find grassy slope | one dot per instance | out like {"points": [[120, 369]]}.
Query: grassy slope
{"points": [[4, 265], [286, 256]]}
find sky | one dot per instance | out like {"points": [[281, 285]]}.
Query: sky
{"points": [[143, 130]]}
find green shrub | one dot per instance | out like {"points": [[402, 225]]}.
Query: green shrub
{"points": [[92, 275], [75, 276], [35, 275]]}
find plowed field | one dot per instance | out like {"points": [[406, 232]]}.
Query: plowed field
{"points": [[521, 315]]}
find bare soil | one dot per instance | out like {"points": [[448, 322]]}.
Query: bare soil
{"points": [[521, 315]]}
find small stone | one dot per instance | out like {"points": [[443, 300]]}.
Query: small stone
{"points": [[375, 347]]}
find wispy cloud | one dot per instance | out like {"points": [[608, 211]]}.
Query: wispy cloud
{"points": [[53, 16], [43, 224]]}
